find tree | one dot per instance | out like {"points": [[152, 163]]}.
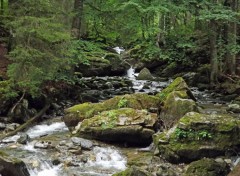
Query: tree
{"points": [[40, 44], [77, 19]]}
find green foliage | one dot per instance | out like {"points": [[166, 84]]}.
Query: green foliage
{"points": [[7, 90], [112, 117], [192, 135], [123, 103]]}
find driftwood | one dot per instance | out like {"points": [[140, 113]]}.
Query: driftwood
{"points": [[28, 123]]}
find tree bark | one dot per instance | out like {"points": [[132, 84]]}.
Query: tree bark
{"points": [[232, 41], [213, 52], [77, 19]]}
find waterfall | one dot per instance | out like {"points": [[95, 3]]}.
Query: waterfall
{"points": [[119, 50], [131, 72]]}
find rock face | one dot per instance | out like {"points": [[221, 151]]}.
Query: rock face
{"points": [[208, 167], [178, 100], [78, 113], [199, 135], [145, 74], [12, 166], [125, 125]]}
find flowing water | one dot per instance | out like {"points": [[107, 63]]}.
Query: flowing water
{"points": [[102, 160]]}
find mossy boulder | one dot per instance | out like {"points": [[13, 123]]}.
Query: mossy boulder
{"points": [[97, 66], [78, 113], [177, 85], [208, 167], [145, 74], [118, 66], [199, 135], [176, 105], [133, 171], [12, 166], [177, 100], [124, 125]]}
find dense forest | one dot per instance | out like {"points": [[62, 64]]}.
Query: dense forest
{"points": [[58, 53], [46, 40]]}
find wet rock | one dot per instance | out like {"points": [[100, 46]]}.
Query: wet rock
{"points": [[2, 126], [78, 113], [144, 74], [84, 143], [10, 166], [12, 126], [24, 138], [133, 171], [207, 167], [199, 135], [235, 108], [120, 125], [56, 161], [43, 145]]}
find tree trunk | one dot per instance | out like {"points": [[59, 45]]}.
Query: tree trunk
{"points": [[213, 52], [232, 41], [77, 19], [2, 8]]}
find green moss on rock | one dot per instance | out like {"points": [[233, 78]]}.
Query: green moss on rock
{"points": [[77, 113], [199, 135], [208, 167], [133, 171]]}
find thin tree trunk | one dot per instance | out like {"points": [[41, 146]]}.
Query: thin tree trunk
{"points": [[2, 7], [213, 51], [77, 19], [232, 41]]}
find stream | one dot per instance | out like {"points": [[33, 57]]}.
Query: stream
{"points": [[102, 160]]}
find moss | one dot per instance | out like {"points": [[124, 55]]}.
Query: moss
{"points": [[177, 85], [133, 171], [80, 112]]}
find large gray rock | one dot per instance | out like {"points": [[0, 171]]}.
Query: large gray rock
{"points": [[10, 166]]}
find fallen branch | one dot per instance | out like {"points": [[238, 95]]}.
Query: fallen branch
{"points": [[19, 101], [28, 123]]}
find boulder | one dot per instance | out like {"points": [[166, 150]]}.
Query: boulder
{"points": [[208, 167], [124, 125], [78, 113], [145, 74], [199, 135], [177, 101], [133, 171], [177, 85], [12, 166]]}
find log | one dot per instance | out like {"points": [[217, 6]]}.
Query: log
{"points": [[28, 123]]}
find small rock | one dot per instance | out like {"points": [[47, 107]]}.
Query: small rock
{"points": [[2, 126], [43, 145], [24, 138], [84, 143]]}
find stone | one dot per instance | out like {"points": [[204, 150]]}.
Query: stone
{"points": [[120, 125], [12, 166], [2, 126], [235, 108], [24, 138], [144, 74], [197, 135], [133, 171], [43, 145], [235, 171], [84, 143], [78, 113], [207, 167]]}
